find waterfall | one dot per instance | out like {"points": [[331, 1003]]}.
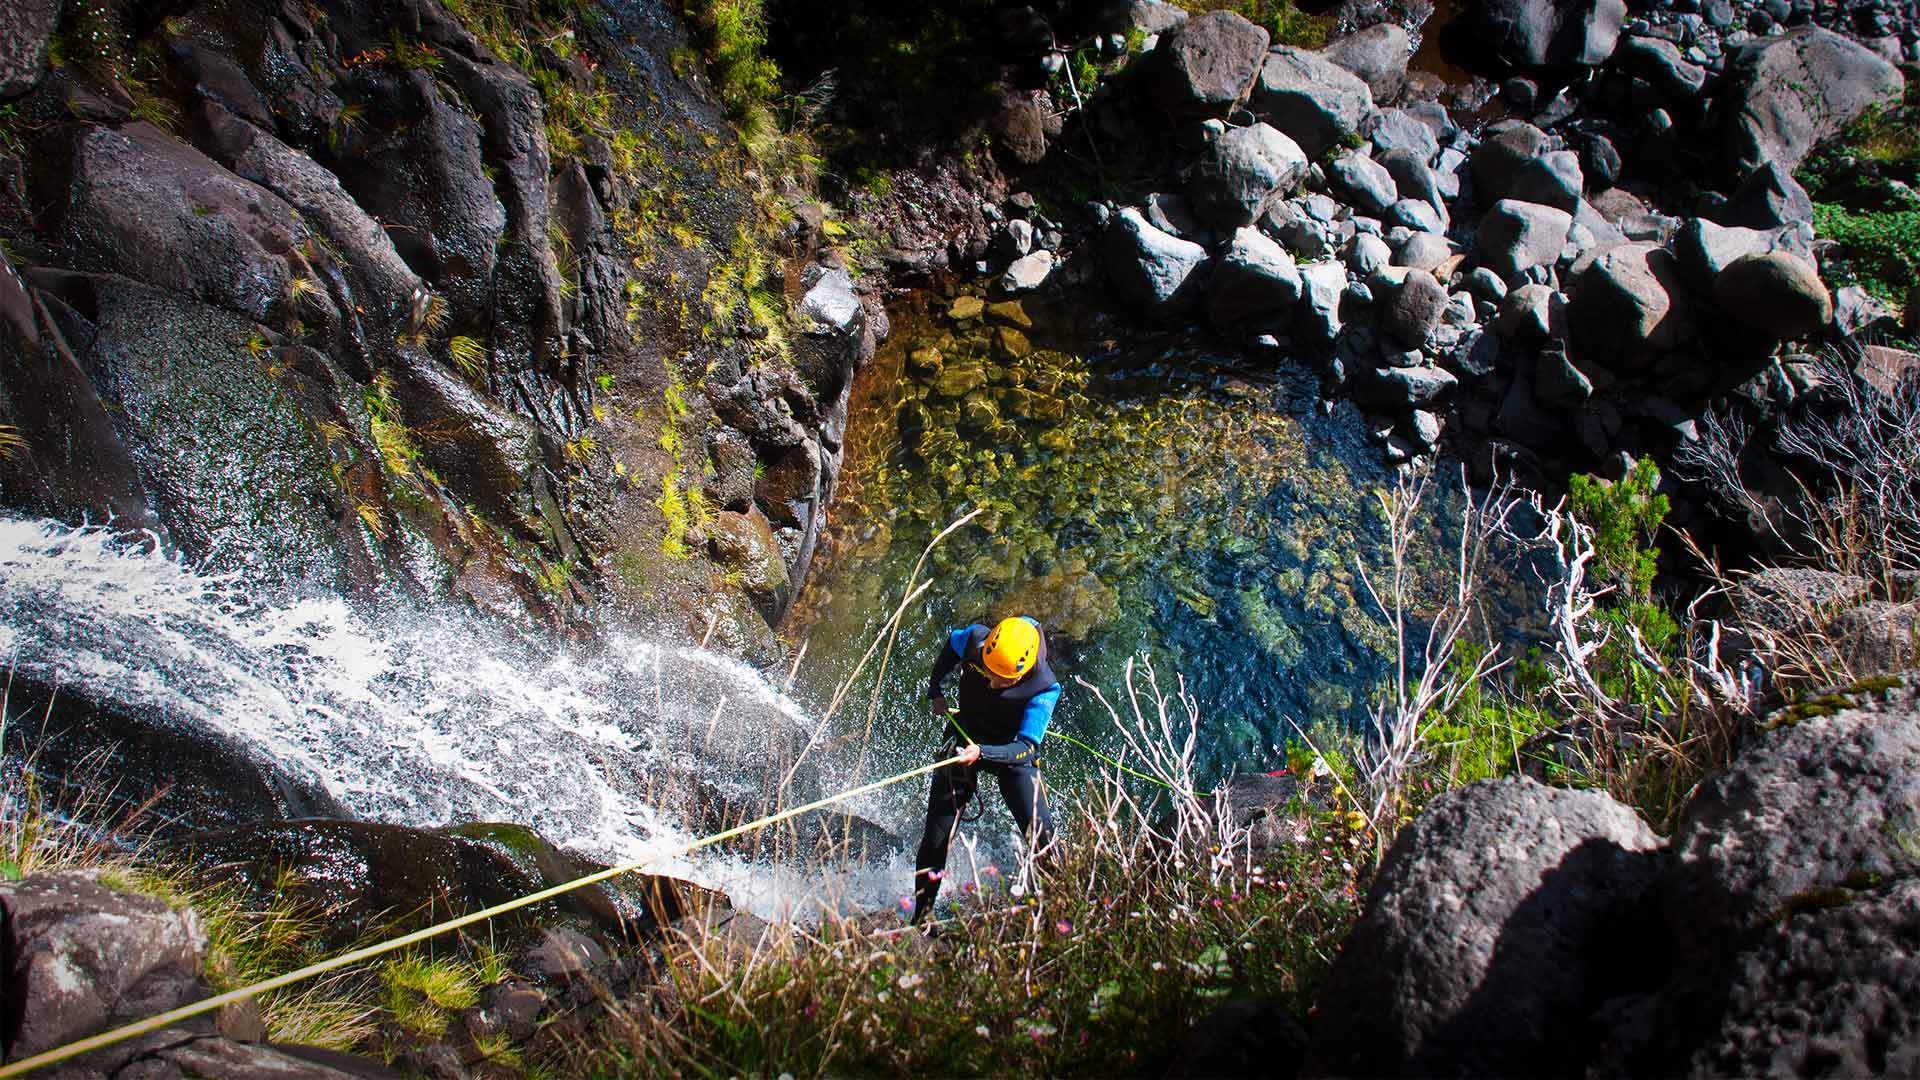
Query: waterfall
{"points": [[424, 716]]}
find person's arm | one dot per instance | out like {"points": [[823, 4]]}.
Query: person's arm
{"points": [[1033, 728], [948, 659]]}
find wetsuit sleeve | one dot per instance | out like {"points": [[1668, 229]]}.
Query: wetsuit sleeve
{"points": [[1033, 728], [948, 659]]}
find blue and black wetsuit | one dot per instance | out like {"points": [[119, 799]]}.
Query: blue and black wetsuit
{"points": [[1008, 725]]}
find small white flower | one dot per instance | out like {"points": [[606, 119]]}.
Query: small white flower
{"points": [[881, 996], [981, 1030], [1018, 890], [1158, 966], [908, 981]]}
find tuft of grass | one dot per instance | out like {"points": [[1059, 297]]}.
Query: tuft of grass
{"points": [[422, 992], [1286, 24], [11, 442], [467, 354]]}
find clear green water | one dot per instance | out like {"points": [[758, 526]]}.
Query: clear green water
{"points": [[1139, 498]]}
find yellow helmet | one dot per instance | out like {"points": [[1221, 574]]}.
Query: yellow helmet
{"points": [[1012, 647]]}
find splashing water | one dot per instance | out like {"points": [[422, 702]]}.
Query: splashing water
{"points": [[422, 717]]}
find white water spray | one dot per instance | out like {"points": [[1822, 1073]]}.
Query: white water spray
{"points": [[421, 717]]}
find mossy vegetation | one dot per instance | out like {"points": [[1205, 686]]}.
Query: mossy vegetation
{"points": [[1287, 24], [1863, 186]]}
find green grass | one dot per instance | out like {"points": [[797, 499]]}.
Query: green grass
{"points": [[1285, 23]]}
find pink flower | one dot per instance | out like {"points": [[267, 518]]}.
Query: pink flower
{"points": [[1063, 926], [936, 875], [990, 870], [906, 903]]}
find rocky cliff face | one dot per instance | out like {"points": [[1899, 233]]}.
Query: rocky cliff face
{"points": [[483, 301]]}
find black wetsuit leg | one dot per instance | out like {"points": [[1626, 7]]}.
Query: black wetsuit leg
{"points": [[1022, 788], [952, 789]]}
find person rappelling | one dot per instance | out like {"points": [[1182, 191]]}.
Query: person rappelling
{"points": [[1007, 696]]}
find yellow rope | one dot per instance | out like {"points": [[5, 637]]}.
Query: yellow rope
{"points": [[155, 1023]]}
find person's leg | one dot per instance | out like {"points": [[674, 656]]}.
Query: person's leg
{"points": [[946, 798], [1026, 796]]}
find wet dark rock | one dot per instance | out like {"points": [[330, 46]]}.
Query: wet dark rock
{"points": [[1206, 67], [562, 955], [1600, 162], [1518, 236], [1314, 101], [1150, 267], [744, 543], [82, 958], [1497, 926], [187, 777], [1769, 198], [1777, 293], [25, 29], [1255, 279], [1241, 173], [1791, 92], [1377, 54], [368, 875]]}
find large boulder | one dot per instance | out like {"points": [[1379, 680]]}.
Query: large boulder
{"points": [[1518, 236], [1705, 249], [1827, 991], [1242, 172], [1314, 100], [1518, 161], [1254, 279], [144, 205], [1322, 286], [1377, 54], [1625, 307], [1767, 199], [26, 26], [1491, 936], [1821, 805], [1777, 293], [82, 958], [1789, 93], [1660, 63], [1543, 35], [1149, 267], [1205, 67], [1401, 389]]}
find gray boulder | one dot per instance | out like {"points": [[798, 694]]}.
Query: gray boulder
{"points": [[1413, 178], [1363, 181], [1254, 279], [1789, 93], [1152, 16], [1518, 161], [1767, 199], [1625, 306], [1173, 214], [26, 26], [84, 958], [1417, 215], [1205, 67], [1378, 55], [1424, 251], [1242, 172], [1659, 61], [1403, 388], [1318, 103], [1487, 935], [1820, 805], [1829, 990], [1029, 272], [1776, 293], [1149, 267], [1412, 311], [1532, 313], [1518, 236], [1368, 254], [1392, 130], [1704, 248], [1322, 286], [1547, 35]]}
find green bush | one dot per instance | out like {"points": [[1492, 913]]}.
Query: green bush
{"points": [[1287, 24], [1882, 247]]}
